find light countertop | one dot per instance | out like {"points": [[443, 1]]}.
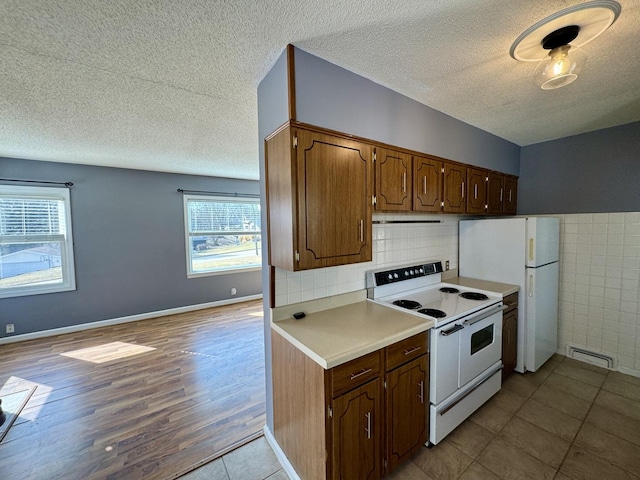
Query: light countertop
{"points": [[501, 288], [337, 335]]}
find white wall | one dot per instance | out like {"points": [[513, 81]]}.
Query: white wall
{"points": [[600, 285], [393, 244]]}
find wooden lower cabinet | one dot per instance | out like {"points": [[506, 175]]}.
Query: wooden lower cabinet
{"points": [[356, 427], [342, 423], [510, 335], [407, 411]]}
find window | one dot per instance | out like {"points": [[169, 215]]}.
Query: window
{"points": [[222, 235], [36, 247]]}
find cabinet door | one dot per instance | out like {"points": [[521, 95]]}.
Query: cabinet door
{"points": [[393, 180], [454, 184], [510, 201], [427, 184], [509, 341], [495, 193], [476, 190], [334, 200], [407, 407], [356, 428]]}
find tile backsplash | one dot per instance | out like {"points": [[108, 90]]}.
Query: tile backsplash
{"points": [[393, 244], [599, 299]]}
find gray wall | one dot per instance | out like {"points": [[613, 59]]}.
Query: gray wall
{"points": [[590, 173], [129, 247], [332, 97], [273, 111]]}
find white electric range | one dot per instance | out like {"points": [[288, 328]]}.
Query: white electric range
{"points": [[465, 343]]}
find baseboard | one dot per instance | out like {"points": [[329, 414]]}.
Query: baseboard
{"points": [[629, 371], [625, 370], [282, 458], [127, 319]]}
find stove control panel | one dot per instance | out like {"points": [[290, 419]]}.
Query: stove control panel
{"points": [[407, 273]]}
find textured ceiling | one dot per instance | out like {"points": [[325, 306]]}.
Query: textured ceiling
{"points": [[170, 85]]}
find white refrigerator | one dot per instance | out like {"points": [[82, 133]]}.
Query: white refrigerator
{"points": [[523, 251]]}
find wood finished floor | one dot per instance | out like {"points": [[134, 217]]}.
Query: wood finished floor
{"points": [[114, 410]]}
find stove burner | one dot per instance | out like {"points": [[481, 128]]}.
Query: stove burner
{"points": [[432, 312], [449, 290], [474, 296], [410, 304]]}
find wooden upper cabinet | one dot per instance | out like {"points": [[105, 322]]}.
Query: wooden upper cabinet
{"points": [[453, 194], [501, 194], [393, 180], [476, 190], [319, 192], [495, 193], [510, 201], [427, 184]]}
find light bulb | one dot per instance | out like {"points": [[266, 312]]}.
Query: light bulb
{"points": [[560, 68]]}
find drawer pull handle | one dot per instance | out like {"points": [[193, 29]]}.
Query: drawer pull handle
{"points": [[364, 371], [412, 350]]}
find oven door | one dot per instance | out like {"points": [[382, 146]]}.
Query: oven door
{"points": [[480, 343]]}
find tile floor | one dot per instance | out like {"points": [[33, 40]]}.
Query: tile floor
{"points": [[568, 420], [253, 461]]}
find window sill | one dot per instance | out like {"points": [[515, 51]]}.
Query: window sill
{"points": [[223, 272]]}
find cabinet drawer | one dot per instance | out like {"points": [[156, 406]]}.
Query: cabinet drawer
{"points": [[405, 350], [355, 373], [510, 301]]}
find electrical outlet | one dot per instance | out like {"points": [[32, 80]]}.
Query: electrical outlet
{"points": [[446, 265], [10, 328], [234, 291]]}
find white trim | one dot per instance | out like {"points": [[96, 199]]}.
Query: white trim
{"points": [[629, 371], [625, 370], [127, 319], [282, 458], [224, 272], [187, 235], [66, 248]]}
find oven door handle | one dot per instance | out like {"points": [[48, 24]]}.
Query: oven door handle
{"points": [[451, 331], [477, 385], [476, 319]]}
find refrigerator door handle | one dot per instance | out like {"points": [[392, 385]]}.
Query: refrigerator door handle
{"points": [[531, 292], [531, 249]]}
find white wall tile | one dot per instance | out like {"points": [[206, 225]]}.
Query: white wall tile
{"points": [[599, 274], [605, 278]]}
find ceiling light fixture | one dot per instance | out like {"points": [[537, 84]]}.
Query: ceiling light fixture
{"points": [[555, 41]]}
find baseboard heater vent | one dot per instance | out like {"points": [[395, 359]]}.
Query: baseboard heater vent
{"points": [[590, 356]]}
